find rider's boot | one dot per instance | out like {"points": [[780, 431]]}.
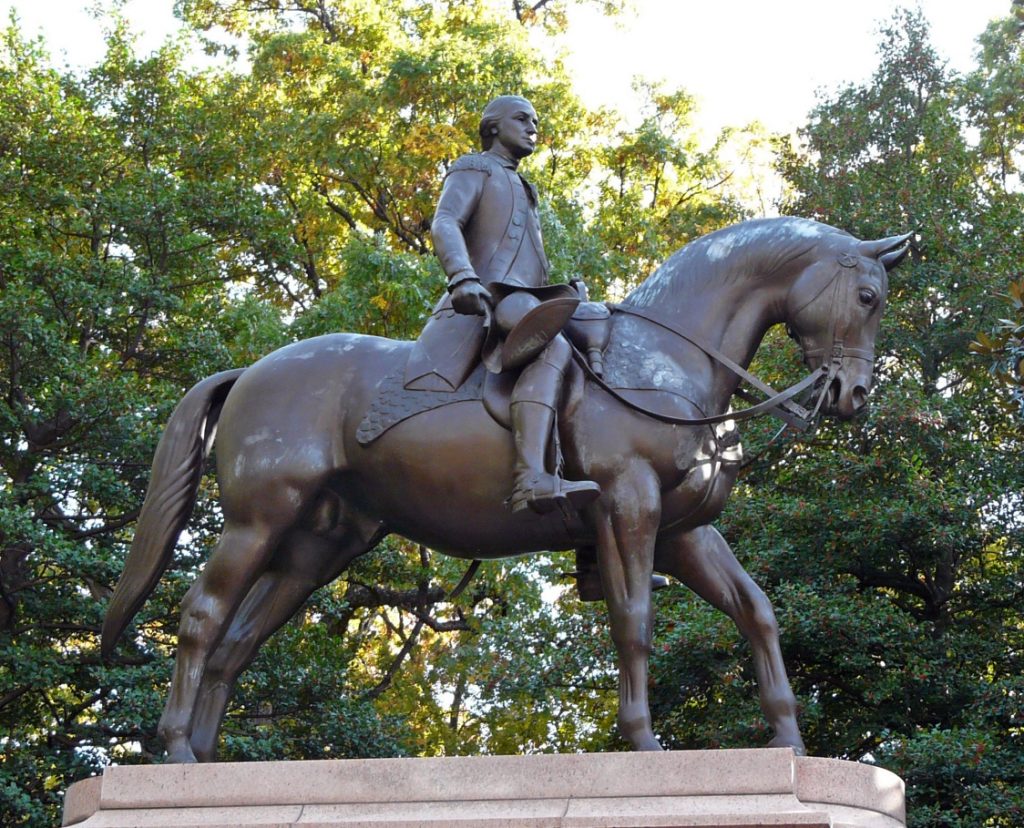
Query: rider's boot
{"points": [[533, 418], [535, 487]]}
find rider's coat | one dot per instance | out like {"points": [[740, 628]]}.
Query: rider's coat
{"points": [[486, 225]]}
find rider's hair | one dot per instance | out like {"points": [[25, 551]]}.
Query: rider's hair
{"points": [[494, 112]]}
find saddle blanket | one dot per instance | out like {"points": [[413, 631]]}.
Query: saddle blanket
{"points": [[627, 368], [394, 403]]}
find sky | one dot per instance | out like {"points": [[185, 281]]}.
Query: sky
{"points": [[747, 60], [744, 60]]}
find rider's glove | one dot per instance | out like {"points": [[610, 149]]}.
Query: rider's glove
{"points": [[470, 297]]}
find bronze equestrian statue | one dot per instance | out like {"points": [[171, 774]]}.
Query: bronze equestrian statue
{"points": [[327, 445]]}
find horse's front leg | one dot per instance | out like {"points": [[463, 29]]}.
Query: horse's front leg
{"points": [[702, 560], [627, 518]]}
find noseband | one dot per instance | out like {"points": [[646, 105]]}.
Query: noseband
{"points": [[781, 404], [838, 351]]}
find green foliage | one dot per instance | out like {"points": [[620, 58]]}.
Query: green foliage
{"points": [[992, 99], [1004, 345], [898, 539], [158, 224], [657, 172], [105, 289]]}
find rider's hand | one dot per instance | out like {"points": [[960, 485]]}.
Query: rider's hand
{"points": [[471, 297]]}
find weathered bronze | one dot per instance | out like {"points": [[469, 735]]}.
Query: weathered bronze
{"points": [[487, 235], [307, 486]]}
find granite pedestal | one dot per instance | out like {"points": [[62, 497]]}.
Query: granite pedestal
{"points": [[711, 789]]}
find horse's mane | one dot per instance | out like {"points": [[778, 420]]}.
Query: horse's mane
{"points": [[751, 249]]}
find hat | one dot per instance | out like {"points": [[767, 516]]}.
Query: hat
{"points": [[531, 334]]}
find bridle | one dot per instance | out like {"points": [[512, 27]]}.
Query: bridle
{"points": [[781, 404], [838, 330]]}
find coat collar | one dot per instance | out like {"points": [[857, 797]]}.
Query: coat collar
{"points": [[507, 163]]}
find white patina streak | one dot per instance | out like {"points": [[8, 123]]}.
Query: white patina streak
{"points": [[721, 247], [259, 437], [808, 229]]}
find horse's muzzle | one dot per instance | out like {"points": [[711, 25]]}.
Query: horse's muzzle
{"points": [[846, 399]]}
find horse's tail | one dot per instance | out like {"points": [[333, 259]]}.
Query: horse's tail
{"points": [[173, 484]]}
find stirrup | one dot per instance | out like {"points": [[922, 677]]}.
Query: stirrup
{"points": [[589, 588], [546, 492]]}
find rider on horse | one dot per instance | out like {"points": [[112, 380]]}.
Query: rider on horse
{"points": [[487, 237]]}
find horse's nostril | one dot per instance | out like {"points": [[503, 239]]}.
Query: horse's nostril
{"points": [[859, 397]]}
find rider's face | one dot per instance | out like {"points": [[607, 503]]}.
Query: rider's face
{"points": [[517, 132]]}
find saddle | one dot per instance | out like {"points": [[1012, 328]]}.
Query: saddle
{"points": [[397, 398], [394, 403]]}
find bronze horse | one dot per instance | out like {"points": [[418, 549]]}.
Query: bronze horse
{"points": [[302, 497]]}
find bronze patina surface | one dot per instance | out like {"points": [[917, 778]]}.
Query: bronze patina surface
{"points": [[303, 496], [487, 236]]}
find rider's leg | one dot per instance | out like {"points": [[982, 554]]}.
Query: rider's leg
{"points": [[588, 576], [534, 403], [702, 560]]}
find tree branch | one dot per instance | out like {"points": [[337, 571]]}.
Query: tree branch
{"points": [[395, 665]]}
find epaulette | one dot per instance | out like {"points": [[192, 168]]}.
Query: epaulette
{"points": [[473, 161]]}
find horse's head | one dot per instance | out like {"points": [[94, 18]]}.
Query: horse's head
{"points": [[833, 310]]}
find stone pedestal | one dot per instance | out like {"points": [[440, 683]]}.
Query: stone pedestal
{"points": [[734, 788]]}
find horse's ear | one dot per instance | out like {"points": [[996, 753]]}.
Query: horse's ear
{"points": [[894, 257], [875, 248]]}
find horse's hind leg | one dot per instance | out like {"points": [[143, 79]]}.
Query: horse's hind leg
{"points": [[241, 556], [703, 561], [305, 561]]}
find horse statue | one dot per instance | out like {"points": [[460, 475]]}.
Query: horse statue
{"points": [[302, 497]]}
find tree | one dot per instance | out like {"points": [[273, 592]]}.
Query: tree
{"points": [[993, 106], [892, 547], [159, 224], [114, 200]]}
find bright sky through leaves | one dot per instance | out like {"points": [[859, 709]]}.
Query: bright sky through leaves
{"points": [[743, 60], [747, 60]]}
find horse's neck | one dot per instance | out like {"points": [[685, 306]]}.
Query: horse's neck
{"points": [[732, 318]]}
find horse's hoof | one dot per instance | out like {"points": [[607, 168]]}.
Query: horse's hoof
{"points": [[181, 755], [643, 740], [797, 747]]}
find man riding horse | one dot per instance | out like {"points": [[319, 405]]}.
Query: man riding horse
{"points": [[487, 237]]}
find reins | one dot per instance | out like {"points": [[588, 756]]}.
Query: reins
{"points": [[779, 404]]}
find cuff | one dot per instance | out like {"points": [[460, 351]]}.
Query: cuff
{"points": [[462, 276]]}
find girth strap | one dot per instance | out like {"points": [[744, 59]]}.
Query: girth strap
{"points": [[464, 582]]}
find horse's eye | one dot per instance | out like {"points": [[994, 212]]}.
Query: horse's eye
{"points": [[866, 296]]}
